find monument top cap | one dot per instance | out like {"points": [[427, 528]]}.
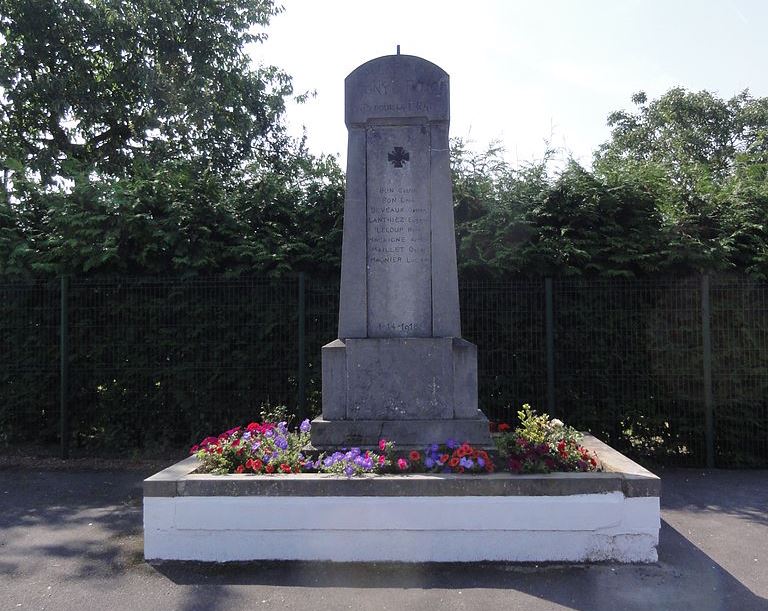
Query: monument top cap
{"points": [[395, 89]]}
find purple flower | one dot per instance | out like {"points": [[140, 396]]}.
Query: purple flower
{"points": [[305, 426], [429, 462], [451, 444], [246, 435], [349, 470], [466, 462], [269, 433], [328, 461], [281, 442], [480, 462], [282, 428], [434, 447], [255, 445]]}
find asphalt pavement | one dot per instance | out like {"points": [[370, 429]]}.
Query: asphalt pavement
{"points": [[72, 540]]}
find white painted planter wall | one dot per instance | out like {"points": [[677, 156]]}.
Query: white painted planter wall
{"points": [[584, 527], [612, 515]]}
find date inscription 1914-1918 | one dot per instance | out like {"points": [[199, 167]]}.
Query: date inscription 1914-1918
{"points": [[398, 157]]}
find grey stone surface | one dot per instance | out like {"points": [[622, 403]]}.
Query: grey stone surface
{"points": [[445, 285], [407, 434], [353, 296], [334, 362], [400, 379], [464, 378], [399, 270], [396, 87], [399, 253], [180, 480]]}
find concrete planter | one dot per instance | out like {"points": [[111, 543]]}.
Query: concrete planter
{"points": [[611, 515]]}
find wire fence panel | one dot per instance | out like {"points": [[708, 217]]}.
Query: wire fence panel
{"points": [[506, 321], [740, 371], [160, 362], [628, 364], [29, 361], [321, 327]]}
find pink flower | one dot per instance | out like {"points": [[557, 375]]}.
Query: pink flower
{"points": [[382, 444], [402, 464]]}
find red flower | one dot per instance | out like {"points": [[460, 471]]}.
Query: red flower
{"points": [[503, 427], [254, 427], [239, 469], [285, 468], [256, 465], [270, 469], [248, 463], [194, 449], [382, 444], [443, 458], [219, 449], [414, 455], [381, 460], [402, 464], [453, 462]]}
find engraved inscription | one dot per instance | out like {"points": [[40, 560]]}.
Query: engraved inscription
{"points": [[398, 235]]}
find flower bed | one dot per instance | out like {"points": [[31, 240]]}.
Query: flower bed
{"points": [[537, 445]]}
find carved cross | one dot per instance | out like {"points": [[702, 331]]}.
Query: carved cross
{"points": [[399, 156]]}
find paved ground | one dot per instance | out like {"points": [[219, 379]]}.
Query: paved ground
{"points": [[71, 540]]}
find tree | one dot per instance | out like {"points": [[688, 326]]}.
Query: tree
{"points": [[92, 85], [492, 209], [695, 137], [705, 160]]}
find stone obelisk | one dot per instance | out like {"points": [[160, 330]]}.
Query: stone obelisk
{"points": [[399, 368]]}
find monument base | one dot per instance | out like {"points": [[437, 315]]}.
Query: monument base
{"points": [[407, 434], [612, 515], [413, 390]]}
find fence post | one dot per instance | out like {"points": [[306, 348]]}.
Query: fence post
{"points": [[301, 403], [706, 336], [549, 321], [64, 367]]}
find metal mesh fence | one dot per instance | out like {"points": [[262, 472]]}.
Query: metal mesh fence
{"points": [[160, 362], [29, 360], [628, 363], [506, 321], [740, 370]]}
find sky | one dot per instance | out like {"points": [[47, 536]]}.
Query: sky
{"points": [[529, 74]]}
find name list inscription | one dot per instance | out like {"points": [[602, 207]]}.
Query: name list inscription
{"points": [[399, 254]]}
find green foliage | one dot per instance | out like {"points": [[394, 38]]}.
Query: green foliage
{"points": [[542, 445], [705, 161], [92, 86]]}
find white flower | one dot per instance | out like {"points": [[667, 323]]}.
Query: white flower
{"points": [[558, 424]]}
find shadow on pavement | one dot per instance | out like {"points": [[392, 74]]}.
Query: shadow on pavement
{"points": [[684, 578], [743, 493]]}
